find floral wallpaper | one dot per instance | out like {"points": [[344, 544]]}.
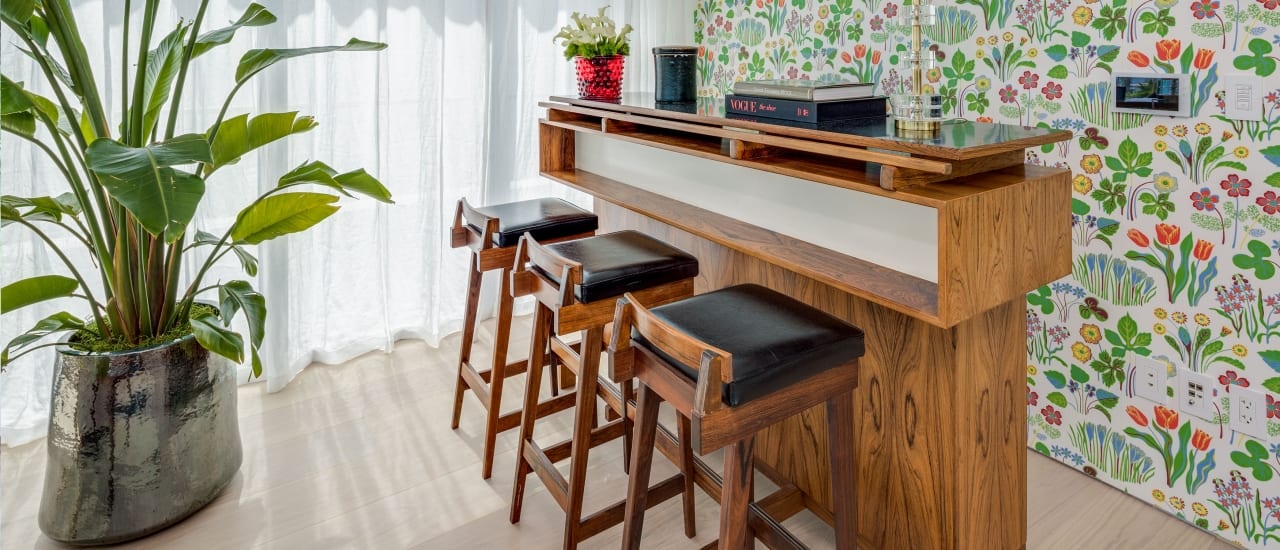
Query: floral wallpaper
{"points": [[1175, 222]]}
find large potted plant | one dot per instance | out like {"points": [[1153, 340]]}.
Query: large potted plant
{"points": [[143, 428], [599, 51]]}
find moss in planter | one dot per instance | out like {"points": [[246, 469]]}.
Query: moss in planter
{"points": [[87, 341]]}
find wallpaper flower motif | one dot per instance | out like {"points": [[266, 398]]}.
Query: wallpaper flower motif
{"points": [[1175, 221]]}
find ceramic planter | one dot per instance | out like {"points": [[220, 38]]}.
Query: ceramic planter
{"points": [[137, 441]]}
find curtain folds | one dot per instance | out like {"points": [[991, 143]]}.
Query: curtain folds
{"points": [[448, 110]]}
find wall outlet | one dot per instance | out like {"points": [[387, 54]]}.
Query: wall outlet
{"points": [[1195, 394], [1249, 413], [1149, 380]]}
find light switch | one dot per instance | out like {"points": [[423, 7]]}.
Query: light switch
{"points": [[1244, 96]]}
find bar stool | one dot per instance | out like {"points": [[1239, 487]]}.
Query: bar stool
{"points": [[577, 284], [736, 361], [492, 233]]}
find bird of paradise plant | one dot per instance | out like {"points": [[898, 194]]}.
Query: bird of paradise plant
{"points": [[136, 182]]}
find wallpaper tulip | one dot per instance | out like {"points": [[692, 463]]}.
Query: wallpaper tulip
{"points": [[1175, 221]]}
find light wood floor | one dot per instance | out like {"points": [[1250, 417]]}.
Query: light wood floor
{"points": [[360, 455]]}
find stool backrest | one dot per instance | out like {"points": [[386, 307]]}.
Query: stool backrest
{"points": [[525, 281], [715, 366], [465, 221]]}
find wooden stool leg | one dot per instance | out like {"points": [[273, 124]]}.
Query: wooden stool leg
{"points": [[840, 434], [628, 393], [641, 464], [553, 374], [498, 371], [529, 414], [736, 494], [583, 422], [685, 432], [468, 332]]}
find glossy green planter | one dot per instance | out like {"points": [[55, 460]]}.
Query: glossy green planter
{"points": [[137, 441]]}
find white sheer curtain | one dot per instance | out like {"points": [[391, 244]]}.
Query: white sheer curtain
{"points": [[448, 110]]}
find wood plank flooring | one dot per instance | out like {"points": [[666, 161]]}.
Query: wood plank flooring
{"points": [[360, 455]]}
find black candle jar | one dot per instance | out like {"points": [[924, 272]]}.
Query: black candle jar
{"points": [[675, 74]]}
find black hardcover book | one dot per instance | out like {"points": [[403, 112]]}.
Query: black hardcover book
{"points": [[837, 125], [805, 111]]}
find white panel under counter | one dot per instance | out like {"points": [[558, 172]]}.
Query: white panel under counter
{"points": [[898, 235]]}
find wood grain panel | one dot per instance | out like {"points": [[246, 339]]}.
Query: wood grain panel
{"points": [[556, 148], [940, 424], [991, 428], [994, 247]]}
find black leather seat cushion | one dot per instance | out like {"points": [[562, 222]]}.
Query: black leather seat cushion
{"points": [[775, 340], [546, 219], [625, 261]]}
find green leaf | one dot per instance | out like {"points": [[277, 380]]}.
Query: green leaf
{"points": [[215, 337], [1272, 384], [1273, 180], [143, 179], [1055, 378], [20, 294], [237, 296], [1272, 153], [1128, 328], [162, 68], [1043, 298], [43, 208], [254, 16], [247, 261], [1057, 399], [58, 322], [17, 12], [280, 215], [1256, 260], [1271, 358], [256, 60], [320, 173], [14, 98], [1261, 61], [1255, 459], [24, 124], [238, 135], [1079, 375], [1058, 71], [1079, 39]]}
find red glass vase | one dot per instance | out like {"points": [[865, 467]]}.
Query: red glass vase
{"points": [[600, 77]]}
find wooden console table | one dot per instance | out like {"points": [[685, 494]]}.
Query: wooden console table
{"points": [[941, 405]]}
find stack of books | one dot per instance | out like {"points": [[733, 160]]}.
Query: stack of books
{"points": [[806, 103]]}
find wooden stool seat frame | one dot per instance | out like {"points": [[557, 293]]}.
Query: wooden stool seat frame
{"points": [[558, 312], [475, 230], [716, 425]]}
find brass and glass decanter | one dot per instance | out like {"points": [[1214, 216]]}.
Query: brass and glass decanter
{"points": [[916, 113]]}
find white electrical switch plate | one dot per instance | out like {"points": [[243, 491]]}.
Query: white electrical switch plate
{"points": [[1249, 413], [1195, 395], [1244, 96], [1149, 380]]}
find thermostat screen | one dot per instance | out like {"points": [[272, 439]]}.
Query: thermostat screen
{"points": [[1150, 93]]}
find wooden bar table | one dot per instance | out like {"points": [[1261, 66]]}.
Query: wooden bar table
{"points": [[928, 244]]}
